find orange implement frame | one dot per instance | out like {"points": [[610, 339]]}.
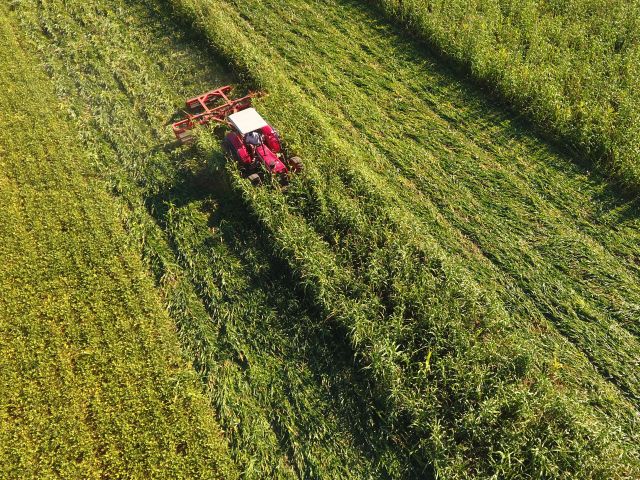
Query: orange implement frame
{"points": [[214, 106]]}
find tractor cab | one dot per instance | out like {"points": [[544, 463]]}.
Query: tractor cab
{"points": [[247, 121], [255, 143]]}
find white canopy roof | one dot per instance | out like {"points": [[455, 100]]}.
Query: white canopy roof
{"points": [[247, 120]]}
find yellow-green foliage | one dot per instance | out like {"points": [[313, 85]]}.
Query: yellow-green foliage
{"points": [[93, 382], [487, 285], [571, 66]]}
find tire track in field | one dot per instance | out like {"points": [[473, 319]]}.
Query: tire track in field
{"points": [[560, 304]]}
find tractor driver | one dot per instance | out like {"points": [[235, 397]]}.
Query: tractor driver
{"points": [[253, 138]]}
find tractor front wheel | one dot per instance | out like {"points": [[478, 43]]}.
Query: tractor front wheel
{"points": [[296, 164]]}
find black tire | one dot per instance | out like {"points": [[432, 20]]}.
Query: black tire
{"points": [[296, 164], [255, 179]]}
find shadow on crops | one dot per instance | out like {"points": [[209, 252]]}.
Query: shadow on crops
{"points": [[320, 345]]}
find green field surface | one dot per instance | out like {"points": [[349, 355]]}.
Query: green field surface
{"points": [[573, 67], [440, 294], [94, 384]]}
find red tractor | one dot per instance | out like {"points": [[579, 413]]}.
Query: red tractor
{"points": [[252, 142]]}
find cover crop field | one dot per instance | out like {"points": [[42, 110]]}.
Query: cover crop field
{"points": [[440, 294], [93, 381]]}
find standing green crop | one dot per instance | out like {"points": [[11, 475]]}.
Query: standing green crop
{"points": [[570, 66], [93, 381]]}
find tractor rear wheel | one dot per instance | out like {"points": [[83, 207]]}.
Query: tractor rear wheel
{"points": [[296, 164], [255, 179]]}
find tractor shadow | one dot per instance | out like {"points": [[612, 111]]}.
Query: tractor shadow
{"points": [[319, 344]]}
